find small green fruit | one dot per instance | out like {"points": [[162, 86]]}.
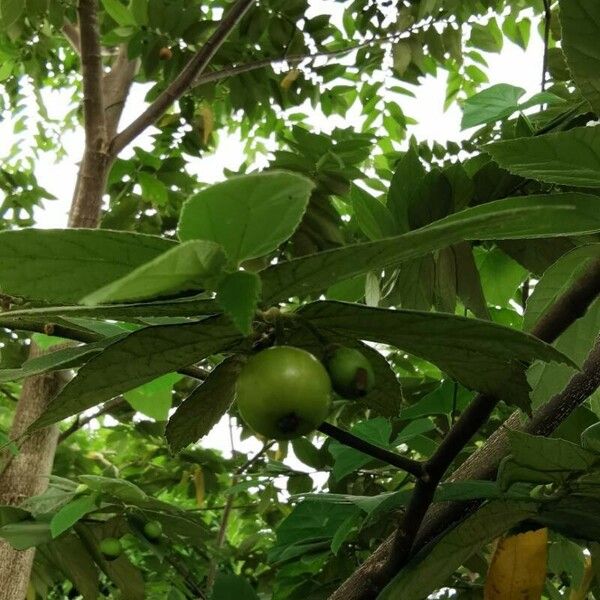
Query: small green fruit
{"points": [[111, 548], [283, 392], [590, 438], [351, 372], [153, 530]]}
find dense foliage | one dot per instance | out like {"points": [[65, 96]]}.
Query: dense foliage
{"points": [[440, 264]]}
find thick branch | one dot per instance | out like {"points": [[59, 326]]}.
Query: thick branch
{"points": [[87, 203], [413, 467], [184, 80], [369, 579]]}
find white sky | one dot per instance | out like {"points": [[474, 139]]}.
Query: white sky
{"points": [[513, 66]]}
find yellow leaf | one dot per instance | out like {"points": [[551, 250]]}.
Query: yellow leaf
{"points": [[208, 123], [518, 568], [199, 484], [581, 592], [288, 80]]}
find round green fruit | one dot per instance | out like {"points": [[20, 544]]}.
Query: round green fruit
{"points": [[590, 438], [351, 372], [153, 530], [283, 392], [111, 548]]}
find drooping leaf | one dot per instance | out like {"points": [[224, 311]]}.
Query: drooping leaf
{"points": [[238, 295], [580, 22], [119, 12], [70, 513], [203, 408], [191, 266], [429, 570], [511, 218], [568, 157], [481, 355], [250, 215], [155, 397], [140, 357], [63, 265]]}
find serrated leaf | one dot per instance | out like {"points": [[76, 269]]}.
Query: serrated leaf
{"points": [[193, 265], [248, 215], [238, 295], [481, 355], [63, 265], [142, 356], [154, 399], [511, 218], [580, 23], [567, 157], [203, 408], [70, 513], [119, 12]]}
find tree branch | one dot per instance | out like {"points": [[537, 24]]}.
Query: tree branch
{"points": [[184, 80], [372, 576], [71, 33], [87, 203], [414, 467]]}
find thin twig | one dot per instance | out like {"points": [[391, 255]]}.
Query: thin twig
{"points": [[71, 33], [184, 80], [414, 467], [81, 422], [4, 390], [212, 569]]}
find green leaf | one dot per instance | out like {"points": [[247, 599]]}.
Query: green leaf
{"points": [[481, 355], [248, 215], [567, 157], [511, 218], [228, 586], [140, 357], [153, 189], [154, 399], [118, 488], [70, 513], [500, 275], [580, 24], [468, 281], [556, 280], [487, 37], [193, 265], [63, 265], [10, 11], [139, 11], [203, 408], [119, 12], [26, 534], [373, 217], [490, 105], [238, 295], [429, 570]]}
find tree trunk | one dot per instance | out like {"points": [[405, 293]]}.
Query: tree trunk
{"points": [[26, 474]]}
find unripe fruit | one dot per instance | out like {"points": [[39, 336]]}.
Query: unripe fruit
{"points": [[153, 530], [165, 53], [283, 392], [590, 438], [111, 548], [351, 373]]}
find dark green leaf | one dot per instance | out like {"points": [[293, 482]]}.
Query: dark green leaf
{"points": [[119, 12], [238, 295], [70, 513], [26, 534], [228, 586], [10, 11]]}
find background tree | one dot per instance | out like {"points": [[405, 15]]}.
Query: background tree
{"points": [[427, 252]]}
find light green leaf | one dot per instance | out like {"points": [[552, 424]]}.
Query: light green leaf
{"points": [[511, 218], [26, 534], [480, 354], [10, 11], [119, 12], [490, 105], [373, 217], [119, 488], [203, 408], [580, 23], [430, 570], [487, 37], [193, 265], [140, 357], [248, 215], [154, 399], [567, 157], [70, 513], [63, 265], [153, 189], [238, 295]]}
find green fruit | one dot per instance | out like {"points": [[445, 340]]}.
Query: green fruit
{"points": [[351, 372], [153, 530], [283, 393], [590, 438], [111, 548]]}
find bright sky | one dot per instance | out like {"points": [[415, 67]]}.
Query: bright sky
{"points": [[512, 66]]}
